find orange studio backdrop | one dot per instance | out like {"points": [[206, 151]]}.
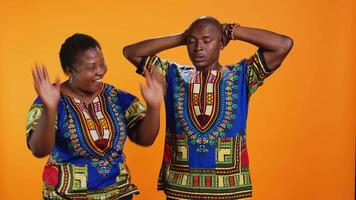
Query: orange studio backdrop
{"points": [[301, 125]]}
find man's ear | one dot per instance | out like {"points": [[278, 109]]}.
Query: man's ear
{"points": [[222, 43]]}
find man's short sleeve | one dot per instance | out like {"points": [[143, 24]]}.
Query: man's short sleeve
{"points": [[161, 65], [257, 71]]}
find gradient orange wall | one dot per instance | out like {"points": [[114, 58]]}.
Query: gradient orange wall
{"points": [[301, 126]]}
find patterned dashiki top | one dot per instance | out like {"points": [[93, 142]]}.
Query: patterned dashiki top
{"points": [[205, 154], [87, 161]]}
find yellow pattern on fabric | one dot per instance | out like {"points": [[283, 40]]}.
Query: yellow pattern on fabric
{"points": [[257, 71], [133, 113], [32, 118]]}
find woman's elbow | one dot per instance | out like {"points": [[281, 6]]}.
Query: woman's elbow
{"points": [[147, 142], [39, 153]]}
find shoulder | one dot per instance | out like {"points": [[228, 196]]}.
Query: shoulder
{"points": [[238, 66], [122, 95], [182, 68]]}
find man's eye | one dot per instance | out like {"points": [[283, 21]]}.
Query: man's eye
{"points": [[191, 41], [207, 41]]}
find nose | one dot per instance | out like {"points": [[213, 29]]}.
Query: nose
{"points": [[100, 70], [198, 46]]}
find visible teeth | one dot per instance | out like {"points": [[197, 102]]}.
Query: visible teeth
{"points": [[99, 80]]}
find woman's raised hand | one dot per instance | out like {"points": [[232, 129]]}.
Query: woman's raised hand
{"points": [[153, 92], [48, 93]]}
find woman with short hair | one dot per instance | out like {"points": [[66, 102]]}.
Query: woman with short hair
{"points": [[83, 123]]}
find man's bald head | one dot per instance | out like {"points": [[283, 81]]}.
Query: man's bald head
{"points": [[207, 20]]}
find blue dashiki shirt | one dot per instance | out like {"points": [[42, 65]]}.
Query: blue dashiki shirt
{"points": [[205, 154], [87, 161]]}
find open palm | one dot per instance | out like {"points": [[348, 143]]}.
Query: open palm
{"points": [[48, 93], [154, 90]]}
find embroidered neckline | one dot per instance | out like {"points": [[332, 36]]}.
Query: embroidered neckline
{"points": [[96, 125], [204, 101]]}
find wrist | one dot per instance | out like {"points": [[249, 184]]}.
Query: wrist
{"points": [[230, 31], [50, 109], [153, 107], [183, 38]]}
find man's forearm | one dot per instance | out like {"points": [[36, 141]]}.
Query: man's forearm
{"points": [[135, 52]]}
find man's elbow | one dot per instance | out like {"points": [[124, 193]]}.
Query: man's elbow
{"points": [[125, 52], [281, 51], [286, 45], [131, 56]]}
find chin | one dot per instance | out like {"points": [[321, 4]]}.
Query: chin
{"points": [[94, 88], [199, 65]]}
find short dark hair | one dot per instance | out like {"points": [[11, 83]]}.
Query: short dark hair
{"points": [[74, 45], [207, 20]]}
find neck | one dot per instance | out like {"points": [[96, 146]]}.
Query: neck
{"points": [[79, 93], [214, 66]]}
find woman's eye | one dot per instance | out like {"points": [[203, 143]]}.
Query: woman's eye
{"points": [[90, 67]]}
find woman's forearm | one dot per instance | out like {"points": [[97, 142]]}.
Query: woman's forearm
{"points": [[148, 129]]}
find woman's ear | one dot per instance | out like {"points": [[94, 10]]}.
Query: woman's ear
{"points": [[68, 71]]}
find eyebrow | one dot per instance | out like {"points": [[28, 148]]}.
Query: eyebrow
{"points": [[92, 62], [204, 36], [89, 62]]}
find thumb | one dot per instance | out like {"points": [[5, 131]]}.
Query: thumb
{"points": [[57, 83], [142, 88]]}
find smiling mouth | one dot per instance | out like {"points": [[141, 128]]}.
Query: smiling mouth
{"points": [[98, 81]]}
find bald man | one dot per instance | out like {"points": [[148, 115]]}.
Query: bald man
{"points": [[205, 154]]}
